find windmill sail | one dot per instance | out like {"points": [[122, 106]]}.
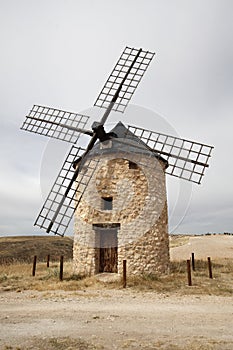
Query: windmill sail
{"points": [[187, 159], [135, 60], [60, 204], [55, 123]]}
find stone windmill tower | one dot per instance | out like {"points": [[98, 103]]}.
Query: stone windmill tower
{"points": [[123, 212], [116, 186]]}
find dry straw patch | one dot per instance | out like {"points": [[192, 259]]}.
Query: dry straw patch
{"points": [[18, 276], [178, 240], [61, 343], [55, 344]]}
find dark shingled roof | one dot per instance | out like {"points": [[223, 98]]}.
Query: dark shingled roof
{"points": [[125, 141]]}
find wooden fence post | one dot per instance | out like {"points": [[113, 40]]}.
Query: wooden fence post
{"points": [[124, 273], [189, 272], [48, 260], [193, 262], [34, 266], [210, 268], [61, 268]]}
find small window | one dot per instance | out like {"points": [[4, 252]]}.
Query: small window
{"points": [[106, 203], [132, 165], [106, 144]]}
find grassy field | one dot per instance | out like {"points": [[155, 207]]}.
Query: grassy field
{"points": [[18, 277], [23, 248], [16, 257]]}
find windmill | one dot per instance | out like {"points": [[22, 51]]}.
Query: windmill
{"points": [[144, 155]]}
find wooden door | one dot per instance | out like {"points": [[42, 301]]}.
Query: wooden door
{"points": [[108, 250]]}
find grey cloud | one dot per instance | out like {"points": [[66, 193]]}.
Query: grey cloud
{"points": [[58, 55]]}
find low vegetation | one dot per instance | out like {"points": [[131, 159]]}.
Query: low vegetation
{"points": [[23, 248], [18, 277], [78, 344], [16, 258], [55, 344], [178, 240]]}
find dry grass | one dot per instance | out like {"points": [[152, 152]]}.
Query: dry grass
{"points": [[55, 344], [23, 248], [190, 345], [79, 344], [176, 280], [18, 276], [177, 240]]}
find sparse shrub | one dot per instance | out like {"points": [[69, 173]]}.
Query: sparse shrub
{"points": [[3, 278], [50, 273], [151, 277], [178, 267], [74, 277]]}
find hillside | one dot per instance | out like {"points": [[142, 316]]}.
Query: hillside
{"points": [[216, 246], [23, 248]]}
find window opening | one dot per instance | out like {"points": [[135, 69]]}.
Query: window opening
{"points": [[132, 165], [107, 203]]}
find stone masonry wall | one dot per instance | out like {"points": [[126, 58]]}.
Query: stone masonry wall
{"points": [[139, 206]]}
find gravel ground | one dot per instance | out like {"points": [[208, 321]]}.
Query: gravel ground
{"points": [[114, 319]]}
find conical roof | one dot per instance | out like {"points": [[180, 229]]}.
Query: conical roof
{"points": [[124, 141]]}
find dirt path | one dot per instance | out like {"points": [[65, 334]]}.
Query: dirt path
{"points": [[114, 319]]}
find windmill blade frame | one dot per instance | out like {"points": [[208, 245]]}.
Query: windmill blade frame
{"points": [[56, 123], [58, 222], [135, 60], [187, 159]]}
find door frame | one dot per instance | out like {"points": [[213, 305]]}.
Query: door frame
{"points": [[99, 232]]}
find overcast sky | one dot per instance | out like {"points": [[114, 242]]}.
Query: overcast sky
{"points": [[59, 53]]}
